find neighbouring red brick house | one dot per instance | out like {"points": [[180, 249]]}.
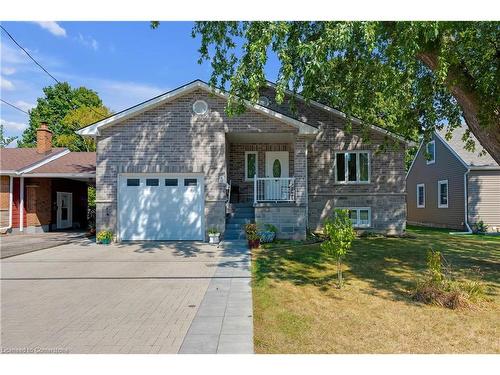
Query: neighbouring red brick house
{"points": [[44, 189]]}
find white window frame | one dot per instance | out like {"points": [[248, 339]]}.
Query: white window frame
{"points": [[443, 182], [247, 177], [418, 204], [358, 209], [346, 167], [433, 160]]}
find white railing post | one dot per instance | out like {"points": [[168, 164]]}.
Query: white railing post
{"points": [[272, 189], [255, 185]]}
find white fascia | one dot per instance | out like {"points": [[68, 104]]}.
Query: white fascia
{"points": [[93, 130], [43, 162]]}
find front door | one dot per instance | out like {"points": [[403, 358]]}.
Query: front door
{"points": [[276, 168], [64, 210]]}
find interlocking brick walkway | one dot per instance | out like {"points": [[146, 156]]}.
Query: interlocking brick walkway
{"points": [[130, 298]]}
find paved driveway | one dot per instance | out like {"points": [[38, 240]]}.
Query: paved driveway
{"points": [[11, 245], [129, 298]]}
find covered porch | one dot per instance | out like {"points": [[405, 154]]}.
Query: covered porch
{"points": [[268, 172]]}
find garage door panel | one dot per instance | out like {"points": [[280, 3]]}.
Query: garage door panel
{"points": [[163, 212]]}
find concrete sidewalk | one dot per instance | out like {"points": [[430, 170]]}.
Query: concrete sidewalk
{"points": [[17, 244], [224, 321]]}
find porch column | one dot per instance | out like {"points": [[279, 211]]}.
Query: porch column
{"points": [[21, 204], [300, 170]]}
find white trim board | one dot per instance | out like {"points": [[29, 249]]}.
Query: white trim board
{"points": [[93, 130]]}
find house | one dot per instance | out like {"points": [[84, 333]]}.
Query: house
{"points": [[164, 167], [44, 188], [452, 187]]}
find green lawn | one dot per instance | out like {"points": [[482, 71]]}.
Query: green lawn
{"points": [[297, 308]]}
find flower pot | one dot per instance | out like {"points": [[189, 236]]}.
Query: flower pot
{"points": [[267, 236], [105, 241], [214, 238], [254, 244]]}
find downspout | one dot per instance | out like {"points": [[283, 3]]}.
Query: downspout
{"points": [[307, 188], [11, 195], [466, 206]]}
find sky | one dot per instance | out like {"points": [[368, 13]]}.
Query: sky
{"points": [[125, 62]]}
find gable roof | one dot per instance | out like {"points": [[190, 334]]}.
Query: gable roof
{"points": [[72, 163], [93, 129], [471, 159], [18, 159], [58, 162], [343, 115]]}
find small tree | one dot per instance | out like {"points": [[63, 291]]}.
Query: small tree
{"points": [[340, 236]]}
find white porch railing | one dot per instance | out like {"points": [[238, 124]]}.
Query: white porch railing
{"points": [[274, 189]]}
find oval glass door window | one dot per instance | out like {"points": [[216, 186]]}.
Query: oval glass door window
{"points": [[277, 168]]}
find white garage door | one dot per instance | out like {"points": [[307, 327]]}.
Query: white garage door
{"points": [[160, 207]]}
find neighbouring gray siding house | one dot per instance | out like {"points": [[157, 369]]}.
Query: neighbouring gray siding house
{"points": [[453, 188], [165, 165]]}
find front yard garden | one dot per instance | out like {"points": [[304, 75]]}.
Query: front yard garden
{"points": [[299, 309]]}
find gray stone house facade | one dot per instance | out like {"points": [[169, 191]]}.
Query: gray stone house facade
{"points": [[165, 165]]}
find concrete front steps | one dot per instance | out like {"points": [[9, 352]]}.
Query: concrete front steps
{"points": [[239, 214]]}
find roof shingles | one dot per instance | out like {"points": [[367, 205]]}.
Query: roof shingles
{"points": [[473, 159]]}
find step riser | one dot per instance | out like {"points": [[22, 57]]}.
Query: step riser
{"points": [[239, 221]]}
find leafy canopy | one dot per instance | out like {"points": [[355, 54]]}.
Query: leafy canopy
{"points": [[5, 141], [370, 70], [65, 109]]}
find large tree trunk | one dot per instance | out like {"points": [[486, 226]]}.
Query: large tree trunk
{"points": [[489, 137]]}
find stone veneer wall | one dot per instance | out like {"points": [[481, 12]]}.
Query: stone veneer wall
{"points": [[290, 219]]}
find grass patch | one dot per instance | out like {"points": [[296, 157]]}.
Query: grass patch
{"points": [[297, 308]]}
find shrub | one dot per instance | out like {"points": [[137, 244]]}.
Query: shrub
{"points": [[439, 288], [104, 236], [479, 227], [340, 234]]}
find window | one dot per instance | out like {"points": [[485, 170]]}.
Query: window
{"points": [[200, 107], [133, 182], [171, 182], [31, 199], [264, 100], [250, 165], [352, 167], [152, 182], [431, 152], [420, 196], [190, 182], [360, 217], [443, 194]]}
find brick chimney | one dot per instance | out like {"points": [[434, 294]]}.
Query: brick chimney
{"points": [[43, 139]]}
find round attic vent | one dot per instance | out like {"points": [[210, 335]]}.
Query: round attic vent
{"points": [[200, 107], [264, 100]]}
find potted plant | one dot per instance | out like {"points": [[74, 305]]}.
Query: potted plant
{"points": [[268, 233], [213, 235], [104, 237], [252, 235]]}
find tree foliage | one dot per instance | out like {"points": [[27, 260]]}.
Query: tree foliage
{"points": [[65, 109], [340, 234], [5, 141], [408, 77]]}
